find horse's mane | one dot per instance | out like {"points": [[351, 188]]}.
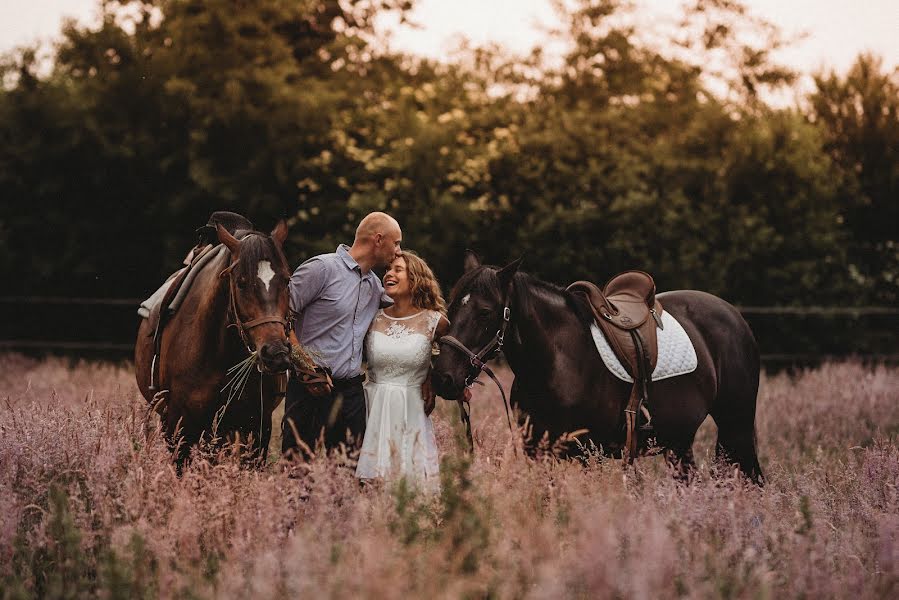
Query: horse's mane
{"points": [[476, 280], [574, 303], [483, 279]]}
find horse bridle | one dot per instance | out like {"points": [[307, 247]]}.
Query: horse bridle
{"points": [[478, 361], [244, 327]]}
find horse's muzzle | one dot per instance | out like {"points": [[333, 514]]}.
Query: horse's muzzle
{"points": [[445, 386], [275, 357]]}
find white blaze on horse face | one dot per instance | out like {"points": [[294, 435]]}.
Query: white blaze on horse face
{"points": [[465, 299], [265, 273]]}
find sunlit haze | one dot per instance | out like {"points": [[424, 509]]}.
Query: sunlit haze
{"points": [[836, 30]]}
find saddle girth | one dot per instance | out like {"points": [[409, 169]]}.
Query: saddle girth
{"points": [[627, 312]]}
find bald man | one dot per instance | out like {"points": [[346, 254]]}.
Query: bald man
{"points": [[334, 298]]}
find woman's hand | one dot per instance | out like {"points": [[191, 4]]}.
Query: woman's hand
{"points": [[428, 395]]}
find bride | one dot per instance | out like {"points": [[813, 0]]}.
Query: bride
{"points": [[399, 437]]}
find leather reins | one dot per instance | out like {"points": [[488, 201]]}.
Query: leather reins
{"points": [[478, 361]]}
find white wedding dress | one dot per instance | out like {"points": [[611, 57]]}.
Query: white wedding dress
{"points": [[399, 437]]}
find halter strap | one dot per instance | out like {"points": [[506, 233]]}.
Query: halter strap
{"points": [[262, 320], [479, 362]]}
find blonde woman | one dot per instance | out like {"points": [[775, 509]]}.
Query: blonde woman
{"points": [[399, 438]]}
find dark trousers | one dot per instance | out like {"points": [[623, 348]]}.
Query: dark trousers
{"points": [[338, 417]]}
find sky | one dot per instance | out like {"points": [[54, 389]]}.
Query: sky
{"points": [[837, 30]]}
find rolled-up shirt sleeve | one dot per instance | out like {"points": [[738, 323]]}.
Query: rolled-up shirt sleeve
{"points": [[307, 283]]}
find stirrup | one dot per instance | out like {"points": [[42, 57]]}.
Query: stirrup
{"points": [[154, 374], [647, 426]]}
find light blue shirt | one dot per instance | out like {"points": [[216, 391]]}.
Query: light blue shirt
{"points": [[335, 304]]}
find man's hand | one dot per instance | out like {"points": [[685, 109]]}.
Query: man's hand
{"points": [[320, 388], [316, 379], [428, 395], [318, 382]]}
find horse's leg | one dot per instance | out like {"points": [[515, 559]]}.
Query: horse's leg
{"points": [[736, 430], [178, 443], [520, 405], [274, 390], [265, 439], [182, 429], [143, 357], [736, 444], [677, 442], [680, 460]]}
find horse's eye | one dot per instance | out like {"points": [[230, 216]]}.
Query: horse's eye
{"points": [[484, 313], [241, 282]]}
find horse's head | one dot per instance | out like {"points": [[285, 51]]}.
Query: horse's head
{"points": [[258, 279], [478, 313]]}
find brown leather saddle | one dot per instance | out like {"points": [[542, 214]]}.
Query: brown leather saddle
{"points": [[627, 312]]}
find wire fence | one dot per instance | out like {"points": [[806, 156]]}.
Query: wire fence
{"points": [[824, 311], [746, 310], [57, 300], [106, 327]]}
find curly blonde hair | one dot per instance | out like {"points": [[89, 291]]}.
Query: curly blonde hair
{"points": [[423, 284]]}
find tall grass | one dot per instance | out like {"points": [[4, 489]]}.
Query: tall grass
{"points": [[88, 507]]}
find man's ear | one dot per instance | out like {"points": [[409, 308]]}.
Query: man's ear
{"points": [[506, 274], [472, 261]]}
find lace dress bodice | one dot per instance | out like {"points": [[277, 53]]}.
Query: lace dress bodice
{"points": [[399, 348]]}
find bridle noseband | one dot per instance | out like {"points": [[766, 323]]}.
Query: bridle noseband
{"points": [[478, 361]]}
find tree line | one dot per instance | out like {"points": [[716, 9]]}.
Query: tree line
{"points": [[626, 153]]}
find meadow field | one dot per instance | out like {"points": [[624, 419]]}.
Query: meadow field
{"points": [[89, 507]]}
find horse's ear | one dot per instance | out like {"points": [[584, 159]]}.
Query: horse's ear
{"points": [[279, 233], [506, 274], [227, 239], [471, 261]]}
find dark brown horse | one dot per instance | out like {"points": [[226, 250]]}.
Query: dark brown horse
{"points": [[562, 384], [236, 306]]}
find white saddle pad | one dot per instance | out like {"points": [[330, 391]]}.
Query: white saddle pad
{"points": [[676, 353], [206, 256]]}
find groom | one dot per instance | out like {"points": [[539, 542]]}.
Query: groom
{"points": [[335, 298]]}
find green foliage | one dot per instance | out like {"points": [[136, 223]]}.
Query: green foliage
{"points": [[132, 574], [465, 513], [412, 514], [859, 117], [73, 564], [620, 157], [457, 520], [60, 568]]}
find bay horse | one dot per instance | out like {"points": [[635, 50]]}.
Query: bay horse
{"points": [[562, 385], [236, 306]]}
